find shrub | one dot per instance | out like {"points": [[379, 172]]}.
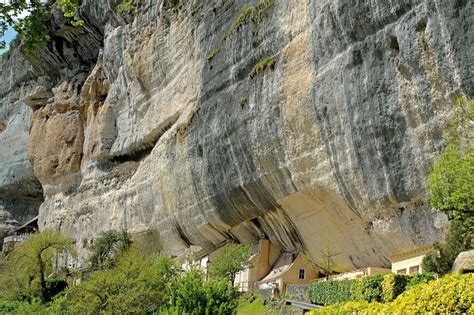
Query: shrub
{"points": [[393, 285], [336, 291], [213, 53], [254, 13], [126, 6], [372, 288], [420, 278], [331, 292], [265, 63], [452, 294], [191, 295]]}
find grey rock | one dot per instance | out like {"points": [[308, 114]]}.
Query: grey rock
{"points": [[465, 260], [330, 146]]}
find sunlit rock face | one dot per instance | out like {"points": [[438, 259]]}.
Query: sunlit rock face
{"points": [[327, 146]]}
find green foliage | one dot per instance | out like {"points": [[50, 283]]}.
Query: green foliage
{"points": [[194, 296], [331, 292], [70, 9], [106, 247], [136, 284], [32, 29], [213, 53], [262, 65], [231, 259], [254, 13], [243, 102], [372, 288], [419, 279], [393, 285], [452, 294], [127, 6], [25, 270], [149, 244], [182, 128], [450, 182], [458, 239]]}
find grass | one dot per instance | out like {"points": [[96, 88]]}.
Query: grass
{"points": [[254, 308], [213, 53], [266, 63], [254, 13]]}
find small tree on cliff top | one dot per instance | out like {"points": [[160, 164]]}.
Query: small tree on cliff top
{"points": [[32, 27]]}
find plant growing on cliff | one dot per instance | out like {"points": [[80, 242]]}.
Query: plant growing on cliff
{"points": [[254, 13], [231, 259], [266, 63], [32, 28], [127, 6]]}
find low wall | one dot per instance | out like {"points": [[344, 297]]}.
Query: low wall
{"points": [[298, 292]]}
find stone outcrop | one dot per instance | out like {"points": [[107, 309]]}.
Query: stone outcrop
{"points": [[327, 145], [464, 261]]}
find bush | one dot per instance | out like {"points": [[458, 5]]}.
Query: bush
{"points": [[420, 278], [372, 288], [452, 294], [331, 292], [194, 296], [393, 285]]}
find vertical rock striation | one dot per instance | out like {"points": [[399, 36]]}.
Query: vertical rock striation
{"points": [[328, 144]]}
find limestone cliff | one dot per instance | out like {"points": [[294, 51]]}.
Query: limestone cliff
{"points": [[310, 122]]}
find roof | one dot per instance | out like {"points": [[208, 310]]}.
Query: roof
{"points": [[420, 251], [28, 223], [282, 265]]}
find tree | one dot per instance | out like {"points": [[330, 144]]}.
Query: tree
{"points": [[32, 261], [441, 260], [326, 264], [231, 259], [32, 28], [136, 284], [451, 180], [451, 187], [106, 247], [149, 243], [193, 295]]}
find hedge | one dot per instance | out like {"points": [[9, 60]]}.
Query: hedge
{"points": [[393, 285], [378, 288], [331, 292], [453, 294]]}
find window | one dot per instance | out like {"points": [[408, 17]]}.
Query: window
{"points": [[402, 271], [302, 274], [414, 270]]}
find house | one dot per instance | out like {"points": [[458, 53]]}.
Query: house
{"points": [[409, 262], [19, 235], [264, 255], [290, 268], [360, 273]]}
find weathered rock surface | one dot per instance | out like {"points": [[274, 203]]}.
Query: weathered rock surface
{"points": [[328, 147], [464, 261]]}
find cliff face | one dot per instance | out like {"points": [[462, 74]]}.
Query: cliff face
{"points": [[167, 128]]}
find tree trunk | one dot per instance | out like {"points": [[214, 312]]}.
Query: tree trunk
{"points": [[44, 290], [231, 279]]}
